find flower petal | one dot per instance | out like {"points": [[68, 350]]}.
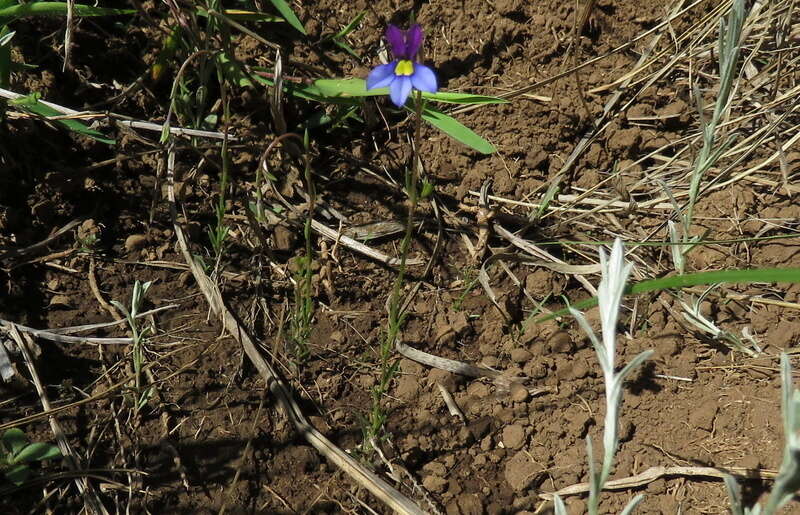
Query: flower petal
{"points": [[413, 40], [381, 76], [399, 90], [424, 79], [397, 40]]}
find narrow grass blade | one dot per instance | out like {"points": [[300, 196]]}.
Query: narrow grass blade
{"points": [[334, 88], [34, 106], [241, 15], [350, 27], [58, 9], [757, 275], [6, 37], [289, 15]]}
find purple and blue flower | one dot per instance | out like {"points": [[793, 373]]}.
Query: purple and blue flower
{"points": [[404, 73]]}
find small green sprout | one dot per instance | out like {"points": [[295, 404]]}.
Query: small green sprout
{"points": [[139, 334], [16, 455]]}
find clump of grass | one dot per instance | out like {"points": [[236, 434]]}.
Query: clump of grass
{"points": [[139, 336], [388, 363], [304, 302], [469, 277], [612, 287], [730, 32]]}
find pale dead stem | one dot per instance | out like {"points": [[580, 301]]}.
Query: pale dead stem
{"points": [[121, 120], [655, 473], [91, 498]]}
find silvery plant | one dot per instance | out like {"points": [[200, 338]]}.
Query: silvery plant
{"points": [[615, 270]]}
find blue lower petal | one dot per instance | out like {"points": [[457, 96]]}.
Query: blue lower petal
{"points": [[424, 79], [399, 90], [381, 76]]}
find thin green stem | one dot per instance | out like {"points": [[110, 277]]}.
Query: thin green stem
{"points": [[388, 367]]}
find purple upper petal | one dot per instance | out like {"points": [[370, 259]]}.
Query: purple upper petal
{"points": [[424, 79], [399, 90], [413, 40], [381, 76], [397, 40]]}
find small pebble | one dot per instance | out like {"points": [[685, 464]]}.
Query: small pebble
{"points": [[135, 242]]}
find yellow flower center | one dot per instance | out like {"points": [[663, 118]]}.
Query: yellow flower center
{"points": [[404, 67]]}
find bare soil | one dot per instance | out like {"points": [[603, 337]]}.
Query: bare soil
{"points": [[215, 440]]}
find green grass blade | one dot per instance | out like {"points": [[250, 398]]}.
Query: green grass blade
{"points": [[758, 275], [32, 105], [350, 26], [347, 48], [241, 15], [334, 88], [58, 9], [454, 97], [455, 130], [289, 15]]}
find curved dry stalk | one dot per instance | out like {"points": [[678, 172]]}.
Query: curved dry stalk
{"points": [[86, 488], [656, 473]]}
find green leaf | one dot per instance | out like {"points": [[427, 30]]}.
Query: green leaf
{"points": [[58, 9], [347, 48], [14, 440], [73, 125], [38, 452], [336, 88], [757, 275], [18, 474], [455, 130], [289, 15], [454, 97], [232, 70]]}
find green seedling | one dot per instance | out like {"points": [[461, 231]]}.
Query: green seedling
{"points": [[339, 38], [352, 92], [304, 302], [756, 275], [730, 32], [469, 276], [139, 336], [17, 454]]}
